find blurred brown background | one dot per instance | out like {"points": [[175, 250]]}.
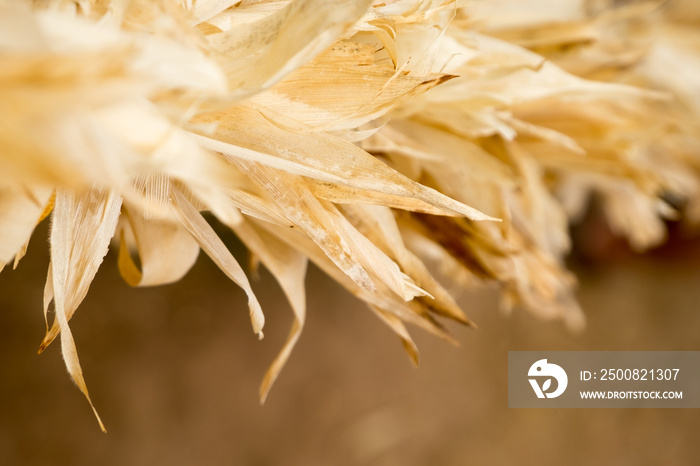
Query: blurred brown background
{"points": [[174, 372]]}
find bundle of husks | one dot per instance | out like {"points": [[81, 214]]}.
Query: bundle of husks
{"points": [[364, 136]]}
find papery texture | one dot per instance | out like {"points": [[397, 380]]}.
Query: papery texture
{"points": [[362, 136]]}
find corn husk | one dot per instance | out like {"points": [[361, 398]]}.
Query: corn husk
{"points": [[367, 137]]}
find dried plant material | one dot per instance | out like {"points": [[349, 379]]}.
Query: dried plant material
{"points": [[204, 234], [81, 229], [289, 268], [371, 138], [262, 42], [19, 213], [243, 134], [165, 248]]}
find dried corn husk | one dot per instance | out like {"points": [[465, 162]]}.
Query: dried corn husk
{"points": [[367, 137]]}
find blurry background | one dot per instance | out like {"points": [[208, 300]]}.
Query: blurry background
{"points": [[174, 372]]}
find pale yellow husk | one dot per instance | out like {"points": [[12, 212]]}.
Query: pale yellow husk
{"points": [[363, 136]]}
